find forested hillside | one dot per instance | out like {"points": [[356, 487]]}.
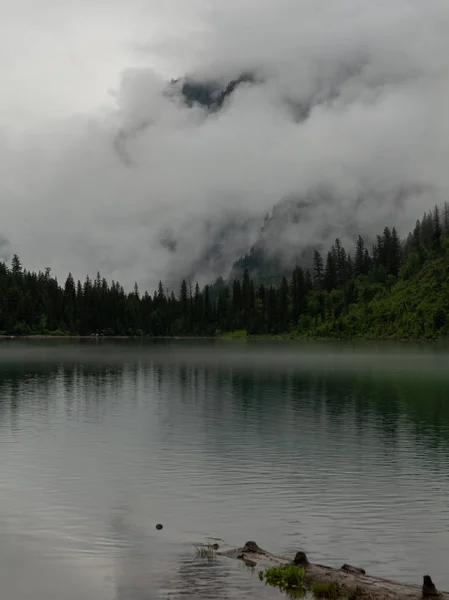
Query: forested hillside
{"points": [[394, 289]]}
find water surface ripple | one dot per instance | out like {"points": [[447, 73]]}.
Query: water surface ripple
{"points": [[342, 451]]}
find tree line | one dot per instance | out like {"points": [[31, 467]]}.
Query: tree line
{"points": [[322, 300]]}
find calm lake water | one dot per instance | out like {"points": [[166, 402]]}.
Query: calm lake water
{"points": [[340, 450]]}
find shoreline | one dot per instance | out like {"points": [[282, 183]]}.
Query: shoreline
{"points": [[224, 337], [95, 338]]}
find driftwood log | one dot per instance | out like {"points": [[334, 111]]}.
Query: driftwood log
{"points": [[353, 581]]}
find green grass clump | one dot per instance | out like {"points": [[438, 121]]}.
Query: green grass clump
{"points": [[205, 551], [287, 579], [326, 590]]}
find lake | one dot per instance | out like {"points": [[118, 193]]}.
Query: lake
{"points": [[340, 450]]}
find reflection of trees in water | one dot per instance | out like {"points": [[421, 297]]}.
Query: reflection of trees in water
{"points": [[88, 391], [91, 391], [392, 404], [21, 385], [205, 394], [334, 402]]}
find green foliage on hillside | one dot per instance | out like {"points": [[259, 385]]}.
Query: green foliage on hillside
{"points": [[395, 290], [416, 306]]}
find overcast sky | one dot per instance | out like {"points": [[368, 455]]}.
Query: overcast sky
{"points": [[78, 74]]}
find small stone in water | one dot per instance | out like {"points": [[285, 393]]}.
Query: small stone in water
{"points": [[159, 526]]}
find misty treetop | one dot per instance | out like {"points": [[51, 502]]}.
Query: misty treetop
{"points": [[393, 289]]}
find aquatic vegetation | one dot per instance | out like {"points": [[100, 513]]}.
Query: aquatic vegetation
{"points": [[329, 590], [205, 550], [287, 578], [291, 581], [248, 567]]}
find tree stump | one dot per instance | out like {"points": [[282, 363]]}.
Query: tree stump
{"points": [[428, 588]]}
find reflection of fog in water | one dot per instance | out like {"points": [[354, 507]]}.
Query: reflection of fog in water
{"points": [[142, 573], [344, 454], [148, 568], [24, 575], [136, 576]]}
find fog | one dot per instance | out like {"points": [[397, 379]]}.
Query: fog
{"points": [[104, 167], [339, 357]]}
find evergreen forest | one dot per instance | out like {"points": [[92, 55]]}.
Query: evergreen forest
{"points": [[392, 289]]}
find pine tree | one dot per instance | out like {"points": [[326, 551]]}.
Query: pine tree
{"points": [[385, 248], [223, 310], [360, 258], [246, 293], [330, 272], [394, 256], [207, 308], [445, 224], [426, 233], [284, 316], [318, 270], [184, 299], [237, 303], [368, 262], [69, 303], [416, 235], [349, 268], [308, 282], [298, 292], [16, 265], [375, 253], [437, 229], [340, 260]]}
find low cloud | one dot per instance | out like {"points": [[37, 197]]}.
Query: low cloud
{"points": [[347, 114]]}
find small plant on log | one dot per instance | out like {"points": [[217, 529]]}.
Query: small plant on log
{"points": [[288, 579], [329, 590]]}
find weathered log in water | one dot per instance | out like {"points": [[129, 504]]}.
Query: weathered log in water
{"points": [[353, 581]]}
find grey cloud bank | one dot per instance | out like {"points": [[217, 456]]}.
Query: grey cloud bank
{"points": [[350, 97]]}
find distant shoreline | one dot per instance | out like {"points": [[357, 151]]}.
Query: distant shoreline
{"points": [[38, 336], [223, 337]]}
